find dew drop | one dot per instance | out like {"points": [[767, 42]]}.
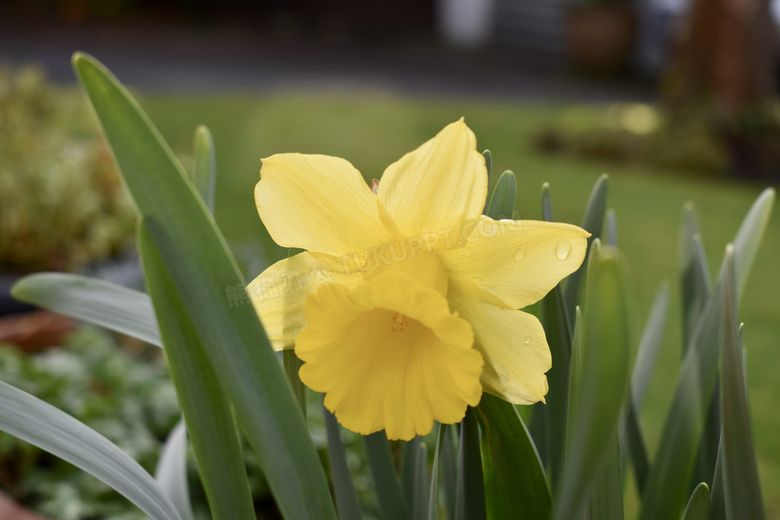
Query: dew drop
{"points": [[520, 253], [562, 250], [528, 340]]}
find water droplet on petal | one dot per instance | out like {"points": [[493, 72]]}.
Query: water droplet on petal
{"points": [[528, 340], [562, 250], [520, 253]]}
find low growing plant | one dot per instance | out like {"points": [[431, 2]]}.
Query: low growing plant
{"points": [[465, 372], [62, 202]]}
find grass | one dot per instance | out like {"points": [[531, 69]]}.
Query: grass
{"points": [[373, 129]]}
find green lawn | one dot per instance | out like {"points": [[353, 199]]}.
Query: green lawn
{"points": [[373, 129]]}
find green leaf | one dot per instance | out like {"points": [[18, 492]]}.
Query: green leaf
{"points": [[502, 201], [470, 501], [32, 420], [391, 499], [669, 477], [696, 290], [742, 487], [488, 164], [748, 238], [599, 379], [592, 222], [204, 172], [347, 503], [698, 507], [694, 274], [550, 437], [292, 364], [433, 502], [547, 213], [207, 411], [421, 500], [515, 482], [93, 301], [202, 270], [611, 235], [649, 346], [449, 473], [717, 498], [606, 498], [409, 455], [171, 472]]}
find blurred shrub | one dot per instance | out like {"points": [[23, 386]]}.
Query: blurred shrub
{"points": [[61, 202], [693, 141], [132, 403]]}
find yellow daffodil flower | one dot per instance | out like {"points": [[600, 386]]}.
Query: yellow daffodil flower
{"points": [[404, 306]]}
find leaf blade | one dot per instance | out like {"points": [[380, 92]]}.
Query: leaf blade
{"points": [[93, 301], [41, 424], [202, 267], [207, 412]]}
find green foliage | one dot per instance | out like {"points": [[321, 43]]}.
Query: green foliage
{"points": [[130, 401], [595, 398], [63, 204]]}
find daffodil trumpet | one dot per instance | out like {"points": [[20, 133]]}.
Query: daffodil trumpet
{"points": [[404, 305]]}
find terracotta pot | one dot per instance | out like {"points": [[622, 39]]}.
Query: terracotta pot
{"points": [[10, 510], [35, 331], [601, 38]]}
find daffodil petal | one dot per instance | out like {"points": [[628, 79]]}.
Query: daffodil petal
{"points": [[318, 203], [512, 343], [436, 189], [389, 355], [279, 292], [517, 261]]}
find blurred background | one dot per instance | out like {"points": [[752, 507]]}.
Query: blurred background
{"points": [[675, 99]]}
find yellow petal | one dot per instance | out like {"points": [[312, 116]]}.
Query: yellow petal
{"points": [[437, 188], [512, 344], [517, 261], [389, 355], [318, 203], [279, 292]]}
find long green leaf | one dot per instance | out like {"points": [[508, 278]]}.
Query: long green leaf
{"points": [[433, 501], [694, 273], [696, 291], [391, 499], [742, 487], [748, 238], [550, 437], [717, 498], [171, 472], [489, 167], [599, 379], [207, 411], [202, 269], [502, 201], [592, 221], [649, 346], [470, 501], [606, 498], [449, 472], [515, 482], [665, 494], [93, 301], [32, 420], [204, 172], [698, 507], [346, 498], [421, 500]]}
